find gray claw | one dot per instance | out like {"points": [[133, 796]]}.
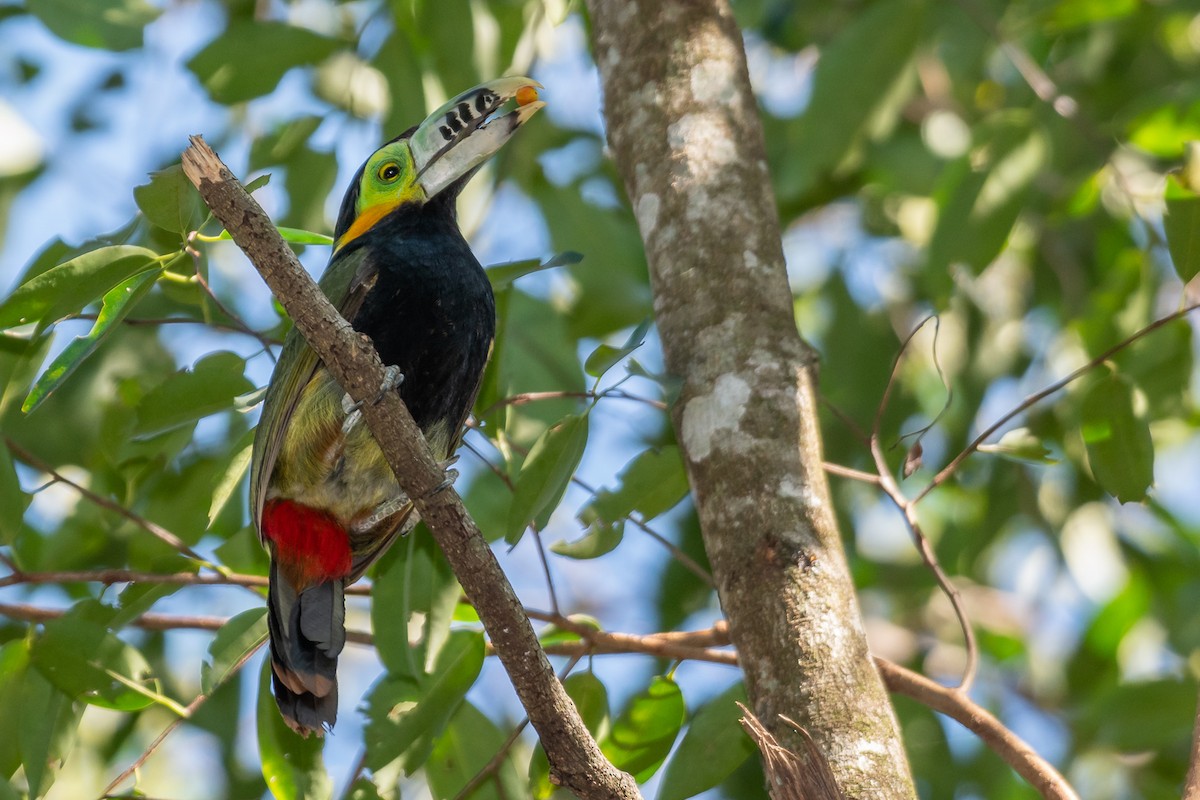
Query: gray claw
{"points": [[392, 379]]}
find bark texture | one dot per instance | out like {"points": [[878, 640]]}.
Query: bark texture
{"points": [[684, 129]]}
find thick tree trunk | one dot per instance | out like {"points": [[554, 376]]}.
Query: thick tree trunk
{"points": [[684, 128]]}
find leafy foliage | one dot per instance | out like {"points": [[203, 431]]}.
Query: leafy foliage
{"points": [[1003, 165]]}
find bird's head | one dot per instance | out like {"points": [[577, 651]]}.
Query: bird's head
{"points": [[436, 158]]}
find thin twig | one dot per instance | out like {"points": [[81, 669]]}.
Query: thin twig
{"points": [[153, 528], [175, 723], [238, 322], [850, 472], [684, 646], [955, 704], [533, 397], [162, 321], [891, 381], [683, 558], [1042, 394], [908, 508], [541, 551], [108, 577], [360, 764], [1191, 787]]}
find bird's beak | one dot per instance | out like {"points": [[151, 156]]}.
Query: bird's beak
{"points": [[469, 129]]}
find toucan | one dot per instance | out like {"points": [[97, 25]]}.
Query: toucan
{"points": [[323, 499]]}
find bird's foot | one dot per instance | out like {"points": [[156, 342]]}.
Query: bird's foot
{"points": [[382, 511], [451, 475], [392, 380]]}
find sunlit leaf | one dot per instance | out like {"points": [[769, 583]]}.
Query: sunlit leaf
{"points": [[601, 538], [14, 661], [413, 583], [645, 732], [292, 235], [232, 479], [241, 635], [65, 289], [76, 654], [711, 749], [115, 306], [291, 764], [546, 472], [405, 714], [47, 734], [464, 748], [650, 484], [1020, 444], [1181, 223], [605, 356], [12, 499], [170, 201]]}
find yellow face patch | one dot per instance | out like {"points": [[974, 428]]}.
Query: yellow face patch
{"points": [[388, 181]]}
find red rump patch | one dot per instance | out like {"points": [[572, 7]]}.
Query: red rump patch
{"points": [[308, 543]]}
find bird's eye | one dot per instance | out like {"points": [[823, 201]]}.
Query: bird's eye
{"points": [[389, 172]]}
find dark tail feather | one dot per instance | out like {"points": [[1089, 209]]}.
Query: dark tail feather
{"points": [[308, 632]]}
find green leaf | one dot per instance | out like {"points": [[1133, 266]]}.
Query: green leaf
{"points": [[136, 599], [412, 581], [546, 473], [65, 289], [170, 201], [291, 764], [241, 635], [248, 58], [502, 275], [469, 742], [364, 789], [209, 387], [984, 192], [604, 357], [12, 500], [1119, 449], [1182, 226], [1020, 444], [234, 473], [601, 538], [1144, 716], [292, 235], [115, 306], [713, 747], [643, 735], [77, 654], [591, 701], [857, 74], [14, 662], [253, 186], [103, 24], [405, 715], [651, 483], [48, 722]]}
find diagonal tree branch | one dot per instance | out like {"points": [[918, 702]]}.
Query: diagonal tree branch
{"points": [[575, 758]]}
